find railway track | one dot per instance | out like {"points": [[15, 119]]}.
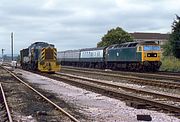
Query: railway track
{"points": [[150, 99], [163, 73], [144, 78], [175, 76], [169, 73], [5, 114], [56, 107], [161, 101]]}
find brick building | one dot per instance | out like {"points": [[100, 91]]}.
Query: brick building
{"points": [[158, 37]]}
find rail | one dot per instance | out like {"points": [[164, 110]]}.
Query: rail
{"points": [[6, 105], [48, 100]]}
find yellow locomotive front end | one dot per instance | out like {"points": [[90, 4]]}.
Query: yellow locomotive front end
{"points": [[48, 60], [151, 53], [151, 57]]}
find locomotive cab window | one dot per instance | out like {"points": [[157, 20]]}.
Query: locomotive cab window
{"points": [[124, 45], [118, 46], [132, 44]]}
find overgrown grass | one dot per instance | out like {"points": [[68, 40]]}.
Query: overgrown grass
{"points": [[170, 63]]}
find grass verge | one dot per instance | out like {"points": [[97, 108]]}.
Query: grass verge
{"points": [[170, 63]]}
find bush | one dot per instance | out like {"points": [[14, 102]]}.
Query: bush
{"points": [[170, 63]]}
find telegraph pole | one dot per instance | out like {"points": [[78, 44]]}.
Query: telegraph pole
{"points": [[12, 45], [3, 54]]}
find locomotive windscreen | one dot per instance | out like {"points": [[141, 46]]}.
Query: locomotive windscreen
{"points": [[151, 47]]}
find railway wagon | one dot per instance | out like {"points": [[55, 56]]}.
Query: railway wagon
{"points": [[132, 56], [40, 56]]}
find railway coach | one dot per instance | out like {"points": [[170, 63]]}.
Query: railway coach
{"points": [[131, 56], [89, 57], [40, 56]]}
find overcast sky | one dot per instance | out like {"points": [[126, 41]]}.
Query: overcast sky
{"points": [[74, 24]]}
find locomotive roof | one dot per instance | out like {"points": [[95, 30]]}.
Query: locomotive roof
{"points": [[40, 44], [122, 45], [132, 44]]}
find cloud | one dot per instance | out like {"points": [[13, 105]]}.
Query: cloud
{"points": [[73, 24]]}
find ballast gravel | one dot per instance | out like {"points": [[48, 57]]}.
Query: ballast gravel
{"points": [[97, 107]]}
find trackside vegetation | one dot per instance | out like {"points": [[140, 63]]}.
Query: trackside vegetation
{"points": [[175, 37], [171, 54], [172, 47], [170, 63]]}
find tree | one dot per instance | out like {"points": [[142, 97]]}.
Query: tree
{"points": [[175, 37], [167, 49], [115, 36]]}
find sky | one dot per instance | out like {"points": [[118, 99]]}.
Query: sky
{"points": [[76, 24]]}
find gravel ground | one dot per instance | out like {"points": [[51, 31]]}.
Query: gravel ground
{"points": [[25, 105], [114, 79], [98, 108]]}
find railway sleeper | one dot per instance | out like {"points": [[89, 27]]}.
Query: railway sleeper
{"points": [[137, 105], [2, 106]]}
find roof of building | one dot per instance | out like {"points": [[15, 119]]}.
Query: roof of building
{"points": [[139, 35]]}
